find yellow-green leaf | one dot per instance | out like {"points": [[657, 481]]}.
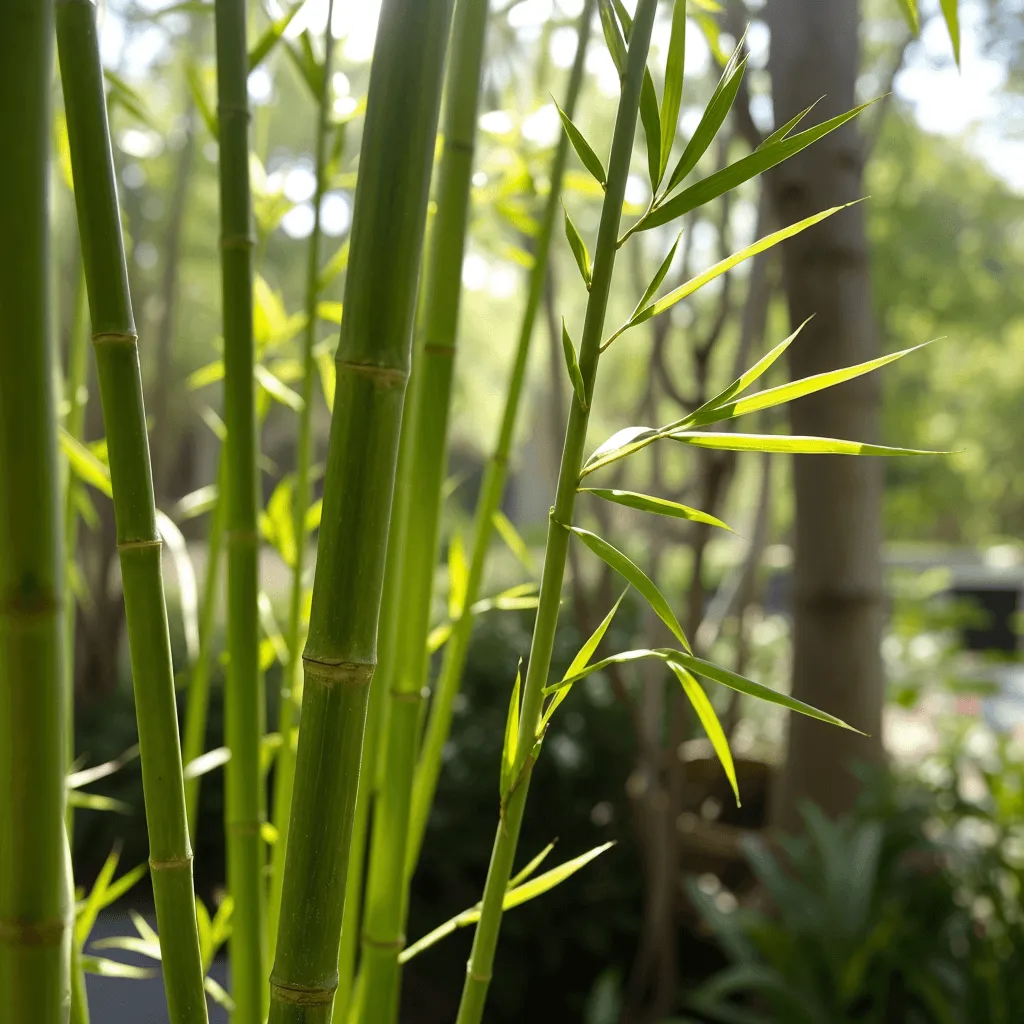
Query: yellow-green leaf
{"points": [[573, 367], [792, 444], [659, 506], [511, 744], [578, 247], [589, 158], [673, 92]]}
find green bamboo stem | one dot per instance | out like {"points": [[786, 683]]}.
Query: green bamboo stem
{"points": [[474, 993], [35, 924], [120, 381], [428, 768], [198, 702], [427, 437], [372, 370], [291, 678], [243, 697]]}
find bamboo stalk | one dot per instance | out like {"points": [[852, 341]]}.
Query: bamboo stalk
{"points": [[372, 370], [427, 439], [474, 993], [492, 489], [284, 777], [198, 702], [243, 697], [35, 922], [120, 381]]}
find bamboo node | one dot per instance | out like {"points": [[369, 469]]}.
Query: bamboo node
{"points": [[409, 696], [234, 108], [338, 673], [392, 945], [382, 376], [237, 241], [481, 979], [304, 995], [434, 348], [30, 607], [115, 338], [33, 933], [169, 863], [557, 522], [139, 545]]}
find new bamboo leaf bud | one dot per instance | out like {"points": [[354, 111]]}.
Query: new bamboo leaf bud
{"points": [[573, 367]]}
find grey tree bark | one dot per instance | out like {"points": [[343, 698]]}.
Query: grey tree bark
{"points": [[837, 594]]}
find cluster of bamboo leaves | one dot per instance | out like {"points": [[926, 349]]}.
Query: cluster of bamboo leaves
{"points": [[333, 859]]}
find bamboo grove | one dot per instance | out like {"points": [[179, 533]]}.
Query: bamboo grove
{"points": [[320, 859]]}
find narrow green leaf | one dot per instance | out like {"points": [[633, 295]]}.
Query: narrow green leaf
{"points": [[513, 541], [130, 944], [706, 713], [659, 277], [113, 969], [717, 674], [87, 913], [650, 118], [130, 100], [438, 636], [780, 133], [510, 746], [207, 762], [796, 389], [334, 266], [95, 802], [579, 248], [723, 266], [634, 575], [728, 178], [87, 776], [622, 658], [743, 381], [711, 121], [272, 631], [613, 36], [277, 389], [513, 898], [217, 993], [713, 34], [197, 87], [205, 926], [122, 885], [794, 444], [909, 8], [573, 367], [84, 464], [329, 311], [270, 37], [188, 588], [205, 375], [673, 93], [530, 868], [196, 503], [952, 16], [625, 19], [659, 506], [458, 575], [328, 372], [620, 441], [589, 158], [583, 655]]}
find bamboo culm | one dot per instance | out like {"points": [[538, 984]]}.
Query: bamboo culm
{"points": [[478, 974], [427, 439], [492, 489], [35, 910], [243, 698], [198, 702], [301, 495], [372, 370], [120, 381]]}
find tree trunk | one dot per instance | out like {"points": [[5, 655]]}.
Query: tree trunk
{"points": [[837, 593]]}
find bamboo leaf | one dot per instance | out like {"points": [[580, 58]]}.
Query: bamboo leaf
{"points": [[329, 311], [583, 655], [629, 438], [659, 506], [706, 713], [720, 182], [673, 92], [513, 898], [711, 121], [952, 16], [796, 389], [723, 266], [217, 994], [84, 464], [510, 746], [531, 867], [579, 248], [625, 20], [328, 373], [781, 133], [909, 8], [793, 444], [130, 100], [207, 762], [743, 381], [334, 266], [85, 918], [277, 389], [514, 542], [613, 36], [197, 87], [122, 885], [458, 575], [713, 34], [87, 776], [588, 157], [438, 636], [270, 37], [197, 502], [130, 944], [741, 684], [95, 802], [272, 631], [113, 969], [658, 277], [208, 374], [188, 589], [634, 575], [650, 118], [573, 367]]}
